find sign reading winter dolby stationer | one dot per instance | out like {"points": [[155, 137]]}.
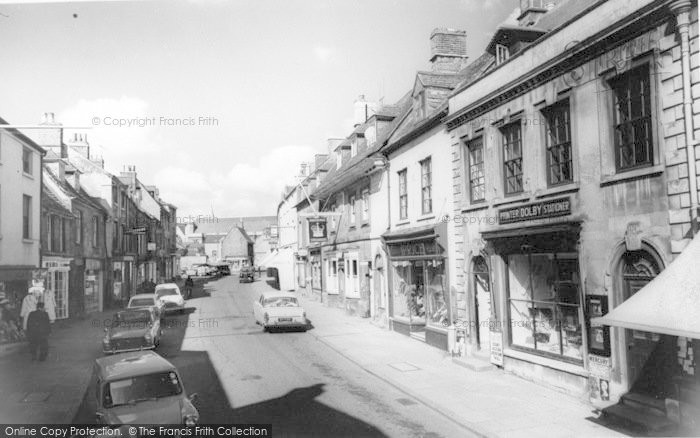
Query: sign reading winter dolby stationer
{"points": [[537, 210]]}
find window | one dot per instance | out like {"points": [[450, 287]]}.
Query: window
{"points": [[558, 143], [26, 217], [365, 205], [95, 231], [334, 268], [354, 268], [502, 54], [544, 304], [27, 157], [403, 195], [426, 183], [55, 238], [477, 183], [352, 210], [512, 158], [632, 119], [79, 228]]}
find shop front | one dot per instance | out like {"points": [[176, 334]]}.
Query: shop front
{"points": [[93, 285], [419, 300], [14, 284], [58, 282]]}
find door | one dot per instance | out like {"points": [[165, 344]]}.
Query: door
{"points": [[417, 302], [639, 268], [341, 278], [482, 302]]}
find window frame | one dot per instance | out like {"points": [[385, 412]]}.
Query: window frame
{"points": [[549, 113], [502, 54], [469, 146], [27, 213], [403, 193], [27, 161], [515, 126], [616, 82], [426, 182]]}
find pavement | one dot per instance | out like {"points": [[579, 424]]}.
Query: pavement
{"points": [[489, 403]]}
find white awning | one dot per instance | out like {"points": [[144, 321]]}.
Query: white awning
{"points": [[669, 304]]}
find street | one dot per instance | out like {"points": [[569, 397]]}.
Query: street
{"points": [[289, 379]]}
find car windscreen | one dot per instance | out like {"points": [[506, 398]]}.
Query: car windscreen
{"points": [[141, 302], [281, 302], [166, 292], [141, 388], [132, 317]]}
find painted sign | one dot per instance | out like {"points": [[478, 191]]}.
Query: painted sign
{"points": [[318, 230], [414, 249], [537, 210]]}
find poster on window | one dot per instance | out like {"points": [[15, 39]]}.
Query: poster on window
{"points": [[318, 232]]}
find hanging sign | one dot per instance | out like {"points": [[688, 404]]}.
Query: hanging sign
{"points": [[537, 210], [318, 231]]}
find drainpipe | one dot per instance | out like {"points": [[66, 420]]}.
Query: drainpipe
{"points": [[681, 9]]}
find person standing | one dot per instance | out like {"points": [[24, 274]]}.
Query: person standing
{"points": [[189, 285], [38, 329]]}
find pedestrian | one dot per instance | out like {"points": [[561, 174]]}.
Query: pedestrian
{"points": [[189, 285], [38, 329]]}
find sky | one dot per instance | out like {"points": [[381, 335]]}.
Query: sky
{"points": [[231, 96]]}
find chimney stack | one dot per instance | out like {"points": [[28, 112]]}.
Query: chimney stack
{"points": [[448, 50]]}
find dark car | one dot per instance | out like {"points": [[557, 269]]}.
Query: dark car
{"points": [[223, 270], [247, 275], [131, 330]]}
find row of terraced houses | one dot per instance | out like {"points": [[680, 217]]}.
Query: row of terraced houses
{"points": [[510, 198], [92, 238]]}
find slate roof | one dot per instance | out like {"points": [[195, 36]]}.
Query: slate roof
{"points": [[439, 80]]}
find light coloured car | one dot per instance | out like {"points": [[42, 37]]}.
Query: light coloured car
{"points": [[141, 388], [169, 294], [279, 310], [146, 300], [131, 330]]}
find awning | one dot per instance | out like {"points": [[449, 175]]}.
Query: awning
{"points": [[16, 273], [669, 304]]}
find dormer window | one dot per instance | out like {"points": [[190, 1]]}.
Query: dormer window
{"points": [[419, 104], [502, 54]]}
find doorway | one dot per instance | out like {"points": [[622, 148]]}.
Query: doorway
{"points": [[482, 302]]}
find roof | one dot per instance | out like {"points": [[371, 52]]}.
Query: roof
{"points": [[669, 304], [507, 35], [135, 363], [475, 69], [26, 140], [213, 238], [439, 80], [278, 294]]}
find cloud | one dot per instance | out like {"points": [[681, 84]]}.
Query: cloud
{"points": [[323, 54], [251, 188]]}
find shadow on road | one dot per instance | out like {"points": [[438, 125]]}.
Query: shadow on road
{"points": [[297, 413]]}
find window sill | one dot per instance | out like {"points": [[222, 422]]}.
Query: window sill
{"points": [[27, 175], [522, 197], [556, 190], [403, 222], [567, 367], [475, 207], [426, 217], [25, 240], [632, 174]]}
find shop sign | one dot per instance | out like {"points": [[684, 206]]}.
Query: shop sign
{"points": [[496, 341], [599, 369], [413, 249], [318, 231], [140, 230], [537, 210]]}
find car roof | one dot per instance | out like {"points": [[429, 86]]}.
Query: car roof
{"points": [[166, 286], [151, 296], [277, 294], [131, 364]]}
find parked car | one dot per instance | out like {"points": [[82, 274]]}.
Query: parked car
{"points": [[147, 300], [169, 294], [132, 329], [246, 275], [223, 269], [277, 310], [141, 388]]}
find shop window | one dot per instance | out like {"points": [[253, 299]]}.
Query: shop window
{"points": [[419, 292], [426, 170], [512, 158], [477, 180], [558, 142], [633, 141], [403, 194], [436, 290], [544, 304]]}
